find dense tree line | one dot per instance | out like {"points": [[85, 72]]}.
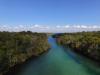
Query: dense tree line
{"points": [[17, 47], [85, 43]]}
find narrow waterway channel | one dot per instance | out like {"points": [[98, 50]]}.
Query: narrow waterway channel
{"points": [[58, 61]]}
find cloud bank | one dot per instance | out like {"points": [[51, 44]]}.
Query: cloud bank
{"points": [[47, 28]]}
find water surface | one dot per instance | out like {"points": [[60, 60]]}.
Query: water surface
{"points": [[58, 61]]}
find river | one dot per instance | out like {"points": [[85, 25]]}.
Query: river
{"points": [[58, 61]]}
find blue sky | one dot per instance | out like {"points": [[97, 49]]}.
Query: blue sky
{"points": [[49, 12]]}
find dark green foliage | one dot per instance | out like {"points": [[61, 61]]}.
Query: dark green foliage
{"points": [[17, 47], [86, 43]]}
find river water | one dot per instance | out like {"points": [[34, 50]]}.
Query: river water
{"points": [[59, 61]]}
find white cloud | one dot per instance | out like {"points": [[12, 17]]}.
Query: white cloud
{"points": [[58, 26], [37, 25], [84, 26], [67, 26], [46, 28]]}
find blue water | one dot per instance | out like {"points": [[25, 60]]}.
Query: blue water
{"points": [[59, 61]]}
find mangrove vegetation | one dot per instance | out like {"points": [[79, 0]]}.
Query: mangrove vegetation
{"points": [[84, 43], [17, 47]]}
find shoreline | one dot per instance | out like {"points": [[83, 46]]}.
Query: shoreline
{"points": [[97, 61], [14, 69], [93, 61]]}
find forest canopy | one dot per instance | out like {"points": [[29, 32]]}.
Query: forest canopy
{"points": [[17, 47], [86, 43]]}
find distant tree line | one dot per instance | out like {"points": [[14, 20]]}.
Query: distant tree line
{"points": [[85, 43], [17, 47]]}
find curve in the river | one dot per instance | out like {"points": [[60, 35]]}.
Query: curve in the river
{"points": [[59, 62]]}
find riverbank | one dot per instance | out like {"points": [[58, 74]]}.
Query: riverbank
{"points": [[83, 43], [58, 62], [13, 70], [84, 57], [17, 47], [96, 61]]}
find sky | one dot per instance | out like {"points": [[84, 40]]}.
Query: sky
{"points": [[49, 15]]}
